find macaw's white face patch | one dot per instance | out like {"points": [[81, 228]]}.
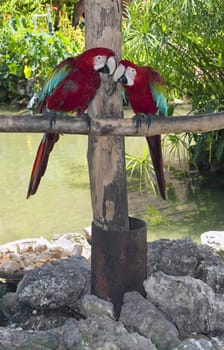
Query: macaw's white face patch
{"points": [[125, 75], [130, 75], [101, 61]]}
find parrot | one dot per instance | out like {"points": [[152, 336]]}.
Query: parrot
{"points": [[146, 92], [70, 88]]}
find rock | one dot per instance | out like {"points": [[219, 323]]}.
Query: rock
{"points": [[207, 258], [53, 286], [92, 305], [185, 298], [25, 245], [199, 344], [35, 320], [180, 257], [214, 277], [95, 333], [26, 340], [9, 305], [103, 333], [75, 242], [173, 257], [214, 239], [71, 335], [139, 315], [88, 233], [189, 303], [3, 319], [3, 289], [11, 265], [28, 254]]}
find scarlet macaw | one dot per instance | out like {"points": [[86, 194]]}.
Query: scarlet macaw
{"points": [[145, 90], [70, 88]]}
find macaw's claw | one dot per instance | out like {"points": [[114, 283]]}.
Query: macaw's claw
{"points": [[86, 117], [142, 118], [52, 115]]}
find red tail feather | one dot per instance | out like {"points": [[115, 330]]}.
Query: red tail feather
{"points": [[41, 160], [154, 143]]}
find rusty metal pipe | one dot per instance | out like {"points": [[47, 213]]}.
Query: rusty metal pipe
{"points": [[119, 261]]}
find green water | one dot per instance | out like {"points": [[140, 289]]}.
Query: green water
{"points": [[62, 203]]}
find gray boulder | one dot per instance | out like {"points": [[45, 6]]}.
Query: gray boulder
{"points": [[9, 305], [53, 286], [214, 277], [26, 340], [139, 315], [200, 343], [103, 333], [190, 303], [173, 257], [180, 257], [92, 305]]}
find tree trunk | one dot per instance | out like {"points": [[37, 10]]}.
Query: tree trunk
{"points": [[106, 155], [118, 257]]}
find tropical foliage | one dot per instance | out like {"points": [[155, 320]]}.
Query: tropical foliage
{"points": [[140, 170], [29, 49], [183, 40]]}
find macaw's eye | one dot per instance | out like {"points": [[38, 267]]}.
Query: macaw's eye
{"points": [[133, 70], [99, 60]]}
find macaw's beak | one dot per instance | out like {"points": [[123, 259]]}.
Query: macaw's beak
{"points": [[109, 67], [119, 75]]}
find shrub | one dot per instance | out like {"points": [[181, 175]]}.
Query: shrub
{"points": [[28, 54]]}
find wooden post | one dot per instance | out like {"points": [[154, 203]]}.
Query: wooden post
{"points": [[106, 154], [118, 257]]}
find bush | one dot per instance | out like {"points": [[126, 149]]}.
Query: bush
{"points": [[183, 40], [29, 55]]}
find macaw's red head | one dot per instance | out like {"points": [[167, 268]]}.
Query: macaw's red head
{"points": [[129, 74], [125, 73], [134, 77], [99, 59]]}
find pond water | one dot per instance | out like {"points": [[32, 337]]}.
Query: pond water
{"points": [[62, 203]]}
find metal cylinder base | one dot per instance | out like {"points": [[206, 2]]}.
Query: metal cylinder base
{"points": [[119, 261]]}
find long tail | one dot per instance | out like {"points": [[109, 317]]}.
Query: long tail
{"points": [[154, 143], [40, 162]]}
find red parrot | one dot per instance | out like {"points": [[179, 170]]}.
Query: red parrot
{"points": [[70, 88], [145, 90]]}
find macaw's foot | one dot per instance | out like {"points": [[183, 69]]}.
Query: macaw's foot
{"points": [[161, 115], [86, 117], [51, 115], [139, 119]]}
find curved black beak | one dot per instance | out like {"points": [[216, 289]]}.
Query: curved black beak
{"points": [[120, 76], [109, 67], [104, 70], [123, 80]]}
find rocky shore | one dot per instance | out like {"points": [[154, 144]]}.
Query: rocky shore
{"points": [[50, 306]]}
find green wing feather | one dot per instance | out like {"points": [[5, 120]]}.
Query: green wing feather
{"points": [[158, 93], [158, 89], [55, 78], [124, 97]]}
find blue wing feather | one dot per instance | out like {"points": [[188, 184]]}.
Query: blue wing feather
{"points": [[160, 99], [55, 78]]}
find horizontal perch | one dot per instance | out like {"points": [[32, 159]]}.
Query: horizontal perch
{"points": [[123, 127]]}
